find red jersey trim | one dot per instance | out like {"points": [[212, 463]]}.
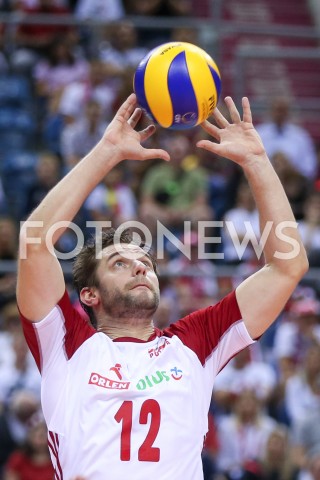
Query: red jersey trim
{"points": [[202, 330], [53, 444], [77, 329], [155, 334], [31, 336]]}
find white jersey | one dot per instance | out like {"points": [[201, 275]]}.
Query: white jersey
{"points": [[128, 408]]}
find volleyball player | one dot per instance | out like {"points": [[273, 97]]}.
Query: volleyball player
{"points": [[123, 399]]}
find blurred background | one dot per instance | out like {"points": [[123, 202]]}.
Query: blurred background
{"points": [[65, 68]]}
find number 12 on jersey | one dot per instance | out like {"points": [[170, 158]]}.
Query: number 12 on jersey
{"points": [[146, 452]]}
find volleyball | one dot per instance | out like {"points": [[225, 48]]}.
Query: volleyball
{"points": [[178, 85]]}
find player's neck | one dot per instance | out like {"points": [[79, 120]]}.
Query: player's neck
{"points": [[133, 329]]}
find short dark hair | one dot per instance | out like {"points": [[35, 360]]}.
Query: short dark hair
{"points": [[86, 263]]}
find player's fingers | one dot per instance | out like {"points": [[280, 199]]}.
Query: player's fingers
{"points": [[247, 116], [147, 132], [234, 114], [150, 153], [135, 117], [210, 146], [127, 108], [219, 118], [211, 129]]}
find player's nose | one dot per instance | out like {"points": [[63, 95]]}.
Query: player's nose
{"points": [[139, 268]]}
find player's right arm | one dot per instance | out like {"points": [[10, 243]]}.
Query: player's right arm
{"points": [[40, 283]]}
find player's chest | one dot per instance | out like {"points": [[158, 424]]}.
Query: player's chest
{"points": [[135, 371]]}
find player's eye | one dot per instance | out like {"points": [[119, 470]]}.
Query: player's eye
{"points": [[119, 263], [147, 264]]}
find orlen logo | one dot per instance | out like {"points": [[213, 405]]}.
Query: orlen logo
{"points": [[100, 381]]}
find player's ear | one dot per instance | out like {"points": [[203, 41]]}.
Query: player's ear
{"points": [[89, 296]]}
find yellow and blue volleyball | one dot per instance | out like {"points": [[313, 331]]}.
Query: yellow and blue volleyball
{"points": [[178, 85]]}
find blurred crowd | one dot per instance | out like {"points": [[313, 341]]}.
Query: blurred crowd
{"points": [[60, 85]]}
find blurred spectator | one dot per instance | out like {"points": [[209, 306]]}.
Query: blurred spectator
{"points": [[99, 10], [112, 200], [149, 36], [277, 463], [280, 134], [159, 7], [34, 40], [313, 472], [309, 228], [243, 372], [193, 278], [302, 393], [224, 178], [119, 48], [243, 221], [14, 420], [306, 437], [32, 460], [202, 9], [143, 7], [4, 64], [243, 435], [298, 330], [123, 90], [8, 251], [294, 183], [59, 68], [47, 175], [78, 138], [72, 104], [184, 34], [76, 95], [10, 326], [21, 373], [177, 191], [4, 207], [179, 8], [36, 3]]}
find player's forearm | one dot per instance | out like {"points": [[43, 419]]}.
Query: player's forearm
{"points": [[283, 247], [64, 201]]}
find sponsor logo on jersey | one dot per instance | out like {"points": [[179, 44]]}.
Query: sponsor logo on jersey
{"points": [[100, 381], [149, 381], [177, 374], [155, 352], [116, 370]]}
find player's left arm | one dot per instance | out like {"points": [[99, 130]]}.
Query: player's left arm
{"points": [[262, 296]]}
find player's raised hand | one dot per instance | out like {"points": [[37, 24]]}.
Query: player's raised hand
{"points": [[238, 141], [122, 136]]}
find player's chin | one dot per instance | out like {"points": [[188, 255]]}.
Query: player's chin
{"points": [[144, 297]]}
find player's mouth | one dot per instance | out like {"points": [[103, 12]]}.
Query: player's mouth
{"points": [[139, 285]]}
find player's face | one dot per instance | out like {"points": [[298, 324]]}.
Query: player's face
{"points": [[128, 284]]}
